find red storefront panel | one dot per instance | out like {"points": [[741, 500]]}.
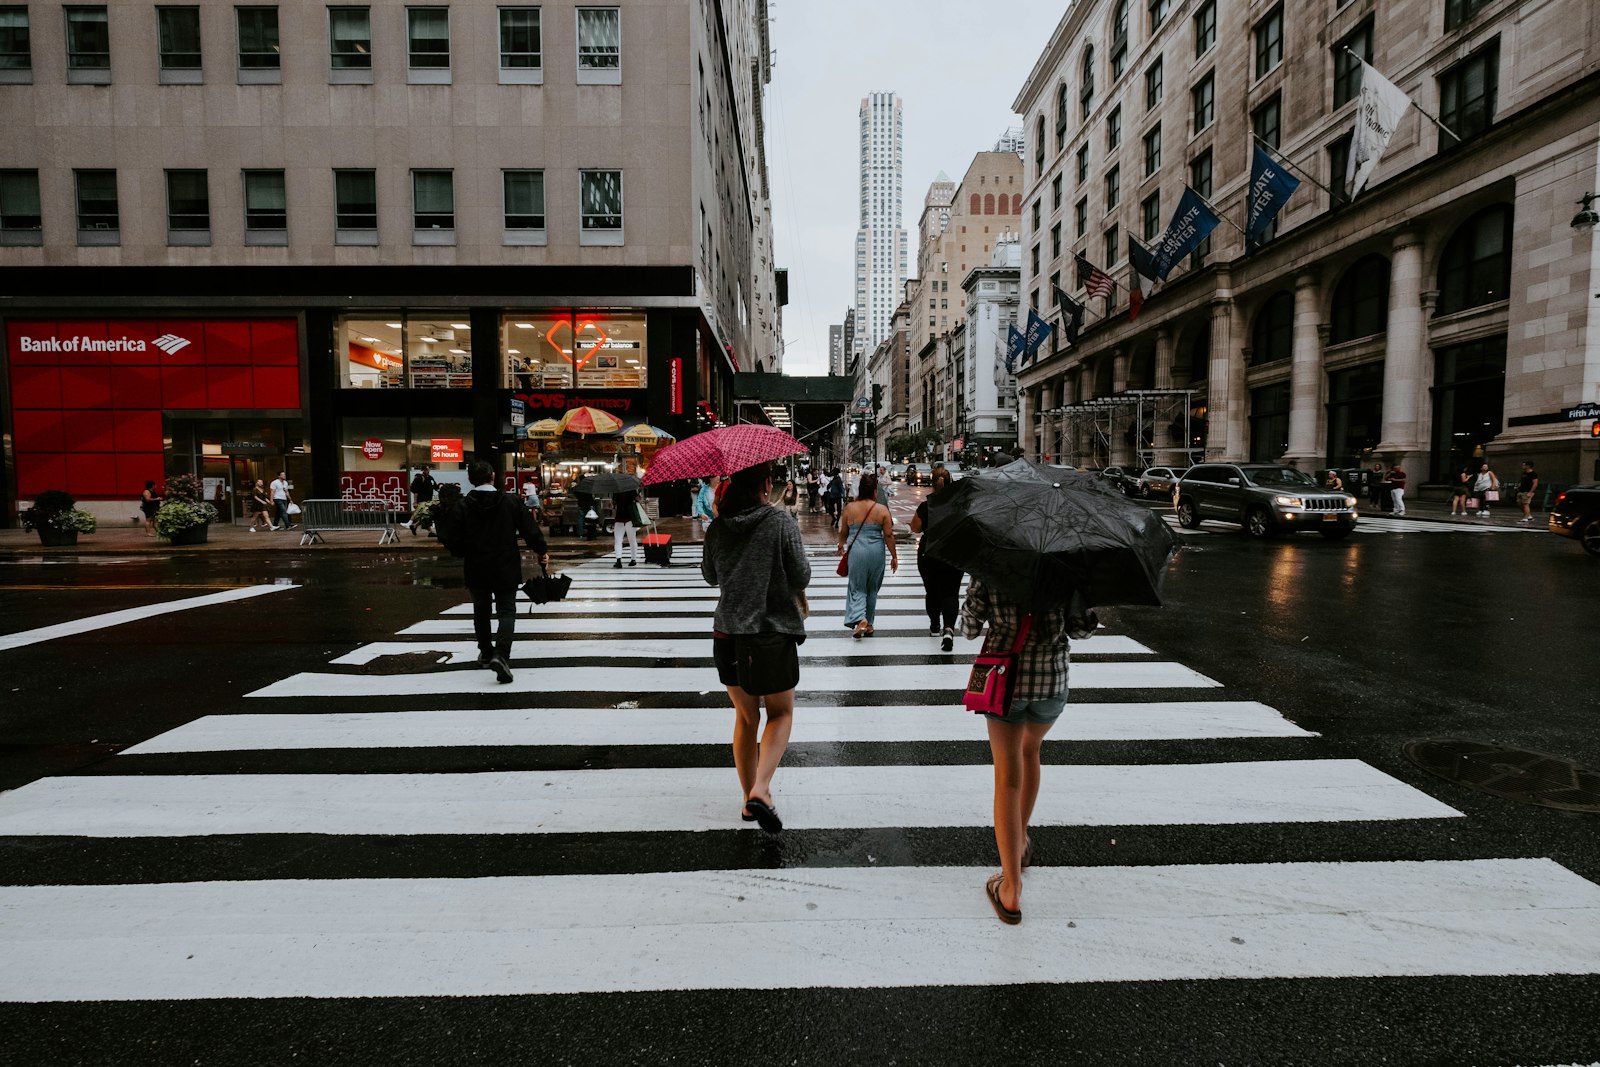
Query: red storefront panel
{"points": [[86, 387], [37, 472], [275, 342], [229, 387], [92, 474], [228, 342], [87, 431], [277, 387], [35, 387], [136, 387], [135, 469], [137, 431], [38, 431]]}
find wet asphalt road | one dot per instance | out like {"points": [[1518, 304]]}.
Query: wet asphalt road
{"points": [[1370, 642]]}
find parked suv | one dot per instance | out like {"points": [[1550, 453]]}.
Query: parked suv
{"points": [[1122, 480], [1576, 514], [1264, 499], [1160, 481]]}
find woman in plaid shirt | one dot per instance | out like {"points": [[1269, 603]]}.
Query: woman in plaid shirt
{"points": [[1039, 694]]}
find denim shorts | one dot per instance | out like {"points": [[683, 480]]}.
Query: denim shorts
{"points": [[1041, 711]]}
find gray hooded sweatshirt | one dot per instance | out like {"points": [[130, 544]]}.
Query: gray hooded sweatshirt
{"points": [[757, 558]]}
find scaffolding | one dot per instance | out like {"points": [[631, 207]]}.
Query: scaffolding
{"points": [[1136, 427]]}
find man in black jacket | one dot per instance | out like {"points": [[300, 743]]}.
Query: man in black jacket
{"points": [[483, 531]]}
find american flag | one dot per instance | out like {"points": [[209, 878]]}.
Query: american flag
{"points": [[1095, 282]]}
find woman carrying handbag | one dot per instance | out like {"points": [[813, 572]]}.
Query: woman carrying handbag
{"points": [[871, 531], [754, 555], [624, 522]]}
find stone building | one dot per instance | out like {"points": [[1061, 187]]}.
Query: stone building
{"points": [[1447, 312], [348, 240], [986, 401]]}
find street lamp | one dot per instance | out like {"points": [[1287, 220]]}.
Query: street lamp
{"points": [[1588, 218]]}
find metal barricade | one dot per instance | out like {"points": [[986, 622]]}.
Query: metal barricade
{"points": [[358, 513]]}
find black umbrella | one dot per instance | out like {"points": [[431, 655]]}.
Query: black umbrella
{"points": [[1027, 470], [607, 484], [1040, 542]]}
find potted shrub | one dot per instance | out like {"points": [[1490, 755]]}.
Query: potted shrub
{"points": [[57, 517], [184, 517]]}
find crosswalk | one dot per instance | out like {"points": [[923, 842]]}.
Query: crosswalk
{"points": [[614, 734], [1375, 524]]}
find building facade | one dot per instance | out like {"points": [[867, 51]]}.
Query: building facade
{"points": [[350, 240], [880, 261], [1444, 315], [987, 402]]}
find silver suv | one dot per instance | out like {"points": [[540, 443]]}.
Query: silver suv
{"points": [[1264, 499]]}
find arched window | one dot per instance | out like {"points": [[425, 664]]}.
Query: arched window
{"points": [[1061, 116], [976, 207], [1361, 301], [1476, 266], [1273, 336], [988, 204], [1086, 82], [1038, 145], [1016, 204]]}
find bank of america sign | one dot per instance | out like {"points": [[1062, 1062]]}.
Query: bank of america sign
{"points": [[170, 343]]}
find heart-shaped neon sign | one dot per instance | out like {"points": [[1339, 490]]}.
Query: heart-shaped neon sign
{"points": [[550, 339]]}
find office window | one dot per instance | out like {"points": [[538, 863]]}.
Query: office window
{"points": [[96, 192], [428, 38], [266, 205], [88, 39], [258, 38], [1061, 116], [1119, 40], [1080, 215], [1205, 28], [350, 38], [1457, 12], [1113, 248], [20, 217], [16, 45], [1361, 301], [1055, 241], [1055, 193], [1338, 170], [1152, 151], [355, 206], [1113, 187], [1114, 129], [599, 45], [1267, 121], [1272, 337], [433, 204], [524, 195], [1159, 10], [600, 205], [1036, 261], [1475, 268], [1269, 42], [188, 207], [1086, 82], [520, 40], [1150, 216], [1346, 68], [1083, 163], [1038, 146], [1037, 216], [1200, 182], [1152, 84], [1467, 94], [1204, 97], [178, 38]]}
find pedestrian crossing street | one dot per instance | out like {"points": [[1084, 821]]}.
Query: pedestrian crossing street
{"points": [[620, 676]]}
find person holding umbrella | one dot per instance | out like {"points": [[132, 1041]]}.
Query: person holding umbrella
{"points": [[941, 583], [755, 556], [870, 528]]}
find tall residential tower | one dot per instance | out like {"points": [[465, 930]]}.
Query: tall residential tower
{"points": [[881, 240]]}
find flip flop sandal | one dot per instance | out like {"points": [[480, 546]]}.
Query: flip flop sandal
{"points": [[1005, 914], [765, 815], [745, 816]]}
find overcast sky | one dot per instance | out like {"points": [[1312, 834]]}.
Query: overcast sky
{"points": [[957, 65]]}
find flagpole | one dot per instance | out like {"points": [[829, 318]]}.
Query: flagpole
{"points": [[1290, 161], [1218, 212], [1409, 97]]}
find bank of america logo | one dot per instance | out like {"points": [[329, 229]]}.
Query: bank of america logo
{"points": [[170, 343]]}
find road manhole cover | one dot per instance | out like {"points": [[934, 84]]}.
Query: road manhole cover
{"points": [[1513, 773], [406, 662]]}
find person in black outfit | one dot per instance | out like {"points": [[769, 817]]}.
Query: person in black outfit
{"points": [[941, 583], [422, 488], [483, 530]]}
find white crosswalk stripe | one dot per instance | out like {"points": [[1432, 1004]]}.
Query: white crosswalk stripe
{"points": [[1373, 524], [636, 642]]}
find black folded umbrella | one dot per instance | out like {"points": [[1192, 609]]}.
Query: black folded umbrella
{"points": [[1041, 542], [598, 485], [546, 587]]}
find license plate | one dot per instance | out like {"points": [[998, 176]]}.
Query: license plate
{"points": [[1330, 518]]}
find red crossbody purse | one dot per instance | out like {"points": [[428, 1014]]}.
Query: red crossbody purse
{"points": [[993, 677]]}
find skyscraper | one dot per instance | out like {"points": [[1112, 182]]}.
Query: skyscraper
{"points": [[881, 239]]}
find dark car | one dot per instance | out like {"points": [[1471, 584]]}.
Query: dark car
{"points": [[1576, 514], [1125, 481], [1264, 499]]}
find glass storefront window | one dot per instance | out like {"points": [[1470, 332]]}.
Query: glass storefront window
{"points": [[415, 349], [584, 349], [1355, 414]]}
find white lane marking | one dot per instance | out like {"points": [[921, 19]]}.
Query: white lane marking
{"points": [[608, 679], [611, 649], [827, 623], [698, 726], [700, 798], [703, 608], [808, 928], [127, 615]]}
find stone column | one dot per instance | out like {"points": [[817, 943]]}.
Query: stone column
{"points": [[1404, 364], [1164, 358], [1225, 414], [1065, 394], [1119, 368], [1306, 412]]}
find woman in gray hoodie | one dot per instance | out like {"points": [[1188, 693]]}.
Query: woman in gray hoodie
{"points": [[754, 553]]}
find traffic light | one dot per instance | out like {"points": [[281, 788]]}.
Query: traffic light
{"points": [[1594, 428], [877, 399]]}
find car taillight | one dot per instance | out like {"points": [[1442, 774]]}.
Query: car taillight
{"points": [[1560, 498]]}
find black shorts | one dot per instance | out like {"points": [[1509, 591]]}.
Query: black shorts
{"points": [[727, 663], [725, 654]]}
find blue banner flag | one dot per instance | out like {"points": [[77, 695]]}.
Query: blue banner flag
{"points": [[1038, 330], [1270, 188], [1014, 346], [1189, 226]]}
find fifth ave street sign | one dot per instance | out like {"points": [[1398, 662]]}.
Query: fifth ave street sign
{"points": [[1583, 411]]}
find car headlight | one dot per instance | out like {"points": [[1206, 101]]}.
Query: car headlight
{"points": [[1349, 501], [1289, 501]]}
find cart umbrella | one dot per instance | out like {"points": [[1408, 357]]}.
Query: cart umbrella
{"points": [[586, 420], [1040, 542], [545, 428], [645, 434], [723, 451]]}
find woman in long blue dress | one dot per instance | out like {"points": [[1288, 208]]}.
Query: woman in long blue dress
{"points": [[866, 531]]}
